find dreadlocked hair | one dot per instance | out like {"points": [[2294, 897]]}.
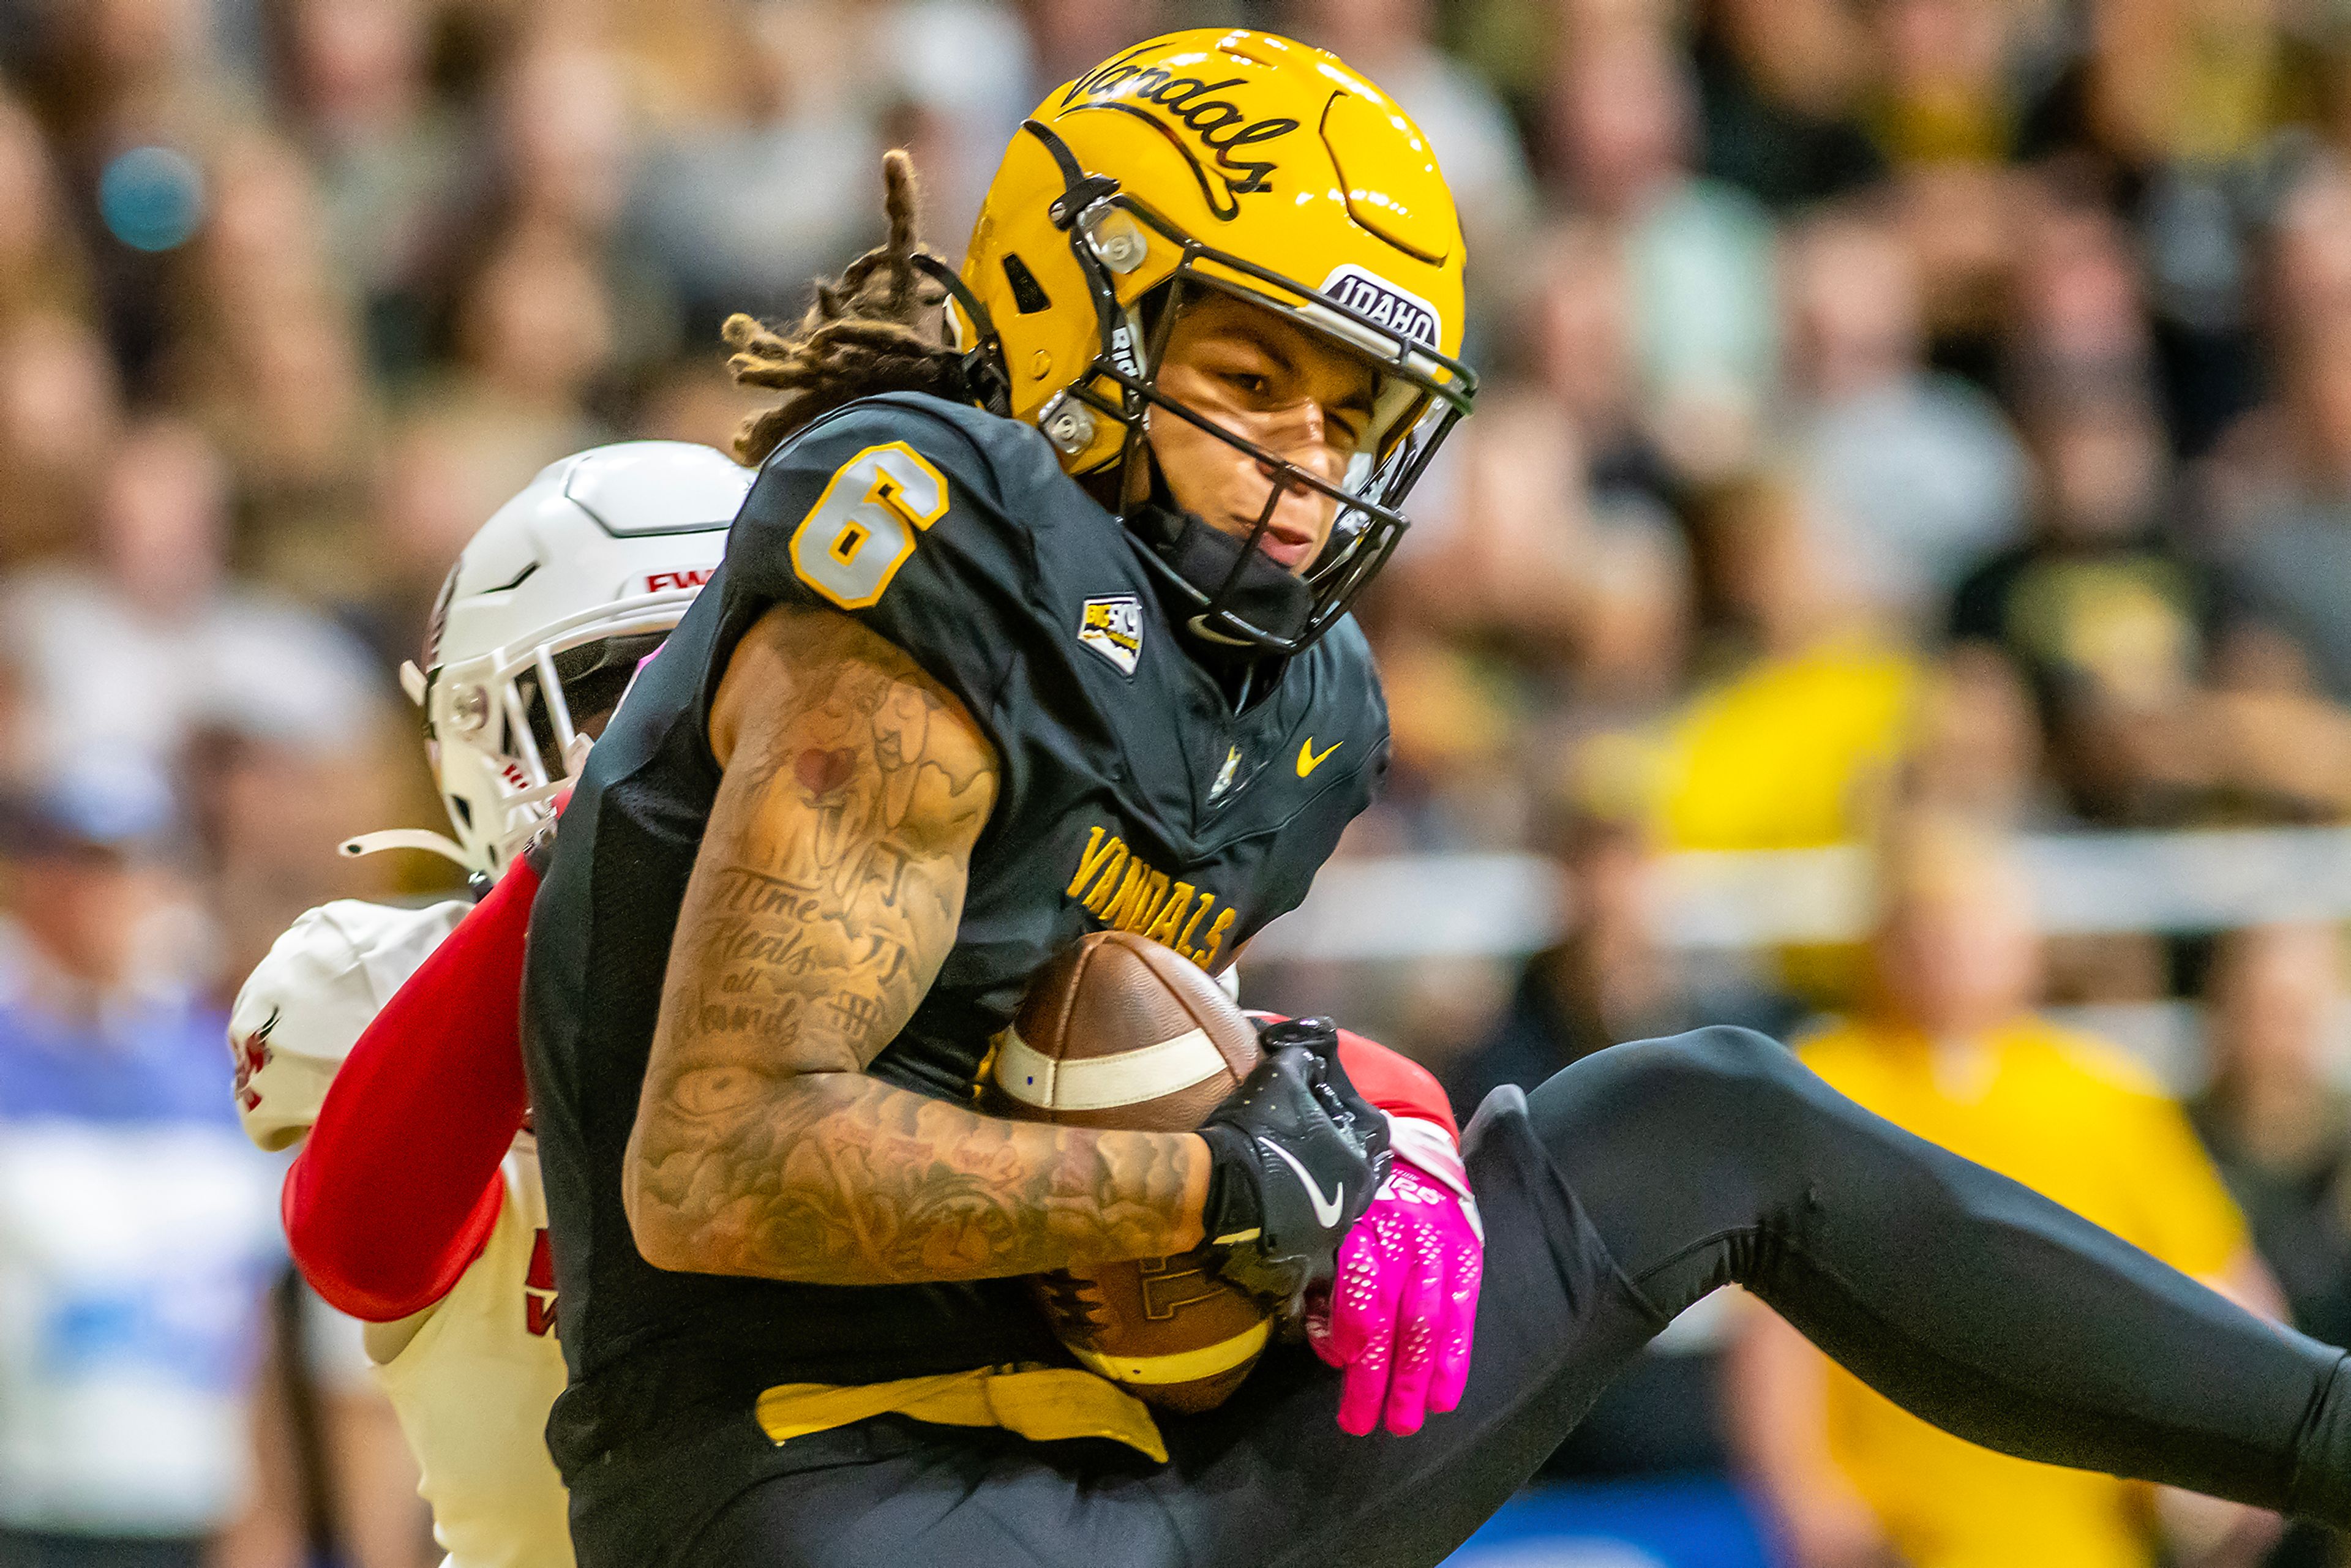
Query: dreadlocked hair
{"points": [[878, 328]]}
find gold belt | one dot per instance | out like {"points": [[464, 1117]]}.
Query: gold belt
{"points": [[1044, 1404]]}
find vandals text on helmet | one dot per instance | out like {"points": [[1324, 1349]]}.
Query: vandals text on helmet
{"points": [[1191, 103]]}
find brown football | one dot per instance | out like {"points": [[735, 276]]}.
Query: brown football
{"points": [[1122, 1032]]}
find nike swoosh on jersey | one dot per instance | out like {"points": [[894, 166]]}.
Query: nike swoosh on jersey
{"points": [[1326, 1209], [1309, 759]]}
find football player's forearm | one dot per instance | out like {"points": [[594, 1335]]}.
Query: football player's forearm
{"points": [[839, 1178], [826, 895]]}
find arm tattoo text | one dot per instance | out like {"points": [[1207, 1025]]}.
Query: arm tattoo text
{"points": [[826, 895]]}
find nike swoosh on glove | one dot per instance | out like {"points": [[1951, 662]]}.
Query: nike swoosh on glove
{"points": [[1295, 1155], [1400, 1316]]}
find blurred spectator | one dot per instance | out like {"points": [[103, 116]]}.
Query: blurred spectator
{"points": [[563, 156], [2282, 477], [1068, 38], [1944, 90], [1455, 725], [259, 256], [111, 80], [124, 657], [1619, 126], [2077, 325], [1917, 470], [1587, 587], [962, 79], [431, 489], [270, 360], [60, 410], [1797, 738], [266, 809], [2108, 621], [694, 398], [1976, 746], [534, 334], [370, 1477], [353, 75], [2274, 1116], [2178, 108], [1580, 323], [1947, 1047], [1778, 82], [1609, 978], [1960, 223], [2163, 696], [683, 60], [564, 139], [41, 266], [740, 212], [100, 73], [137, 1230], [740, 208]]}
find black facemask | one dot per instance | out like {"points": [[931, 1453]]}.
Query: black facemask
{"points": [[1203, 559]]}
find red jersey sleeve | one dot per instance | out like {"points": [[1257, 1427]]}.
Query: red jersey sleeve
{"points": [[396, 1189], [1395, 1084]]}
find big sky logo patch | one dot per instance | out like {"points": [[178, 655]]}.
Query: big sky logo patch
{"points": [[1113, 627]]}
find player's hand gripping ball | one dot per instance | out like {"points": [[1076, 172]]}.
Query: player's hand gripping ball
{"points": [[1121, 1032], [1297, 1154], [1399, 1318]]}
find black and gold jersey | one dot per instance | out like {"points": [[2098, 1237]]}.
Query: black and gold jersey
{"points": [[1131, 795]]}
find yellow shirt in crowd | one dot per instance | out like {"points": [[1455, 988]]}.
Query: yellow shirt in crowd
{"points": [[1789, 753], [2075, 1120]]}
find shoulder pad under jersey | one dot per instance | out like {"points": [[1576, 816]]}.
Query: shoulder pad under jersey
{"points": [[920, 517], [303, 1005]]}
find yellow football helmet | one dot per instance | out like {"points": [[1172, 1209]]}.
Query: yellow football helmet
{"points": [[1234, 161]]}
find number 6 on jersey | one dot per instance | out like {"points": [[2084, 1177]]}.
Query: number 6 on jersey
{"points": [[861, 529]]}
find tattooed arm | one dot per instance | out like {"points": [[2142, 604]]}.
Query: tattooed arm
{"points": [[825, 896]]}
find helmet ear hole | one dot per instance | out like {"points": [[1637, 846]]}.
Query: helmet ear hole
{"points": [[1029, 296]]}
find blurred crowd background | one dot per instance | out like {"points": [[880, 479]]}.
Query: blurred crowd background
{"points": [[1906, 423]]}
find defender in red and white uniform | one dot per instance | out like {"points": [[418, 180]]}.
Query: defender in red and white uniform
{"points": [[414, 1203]]}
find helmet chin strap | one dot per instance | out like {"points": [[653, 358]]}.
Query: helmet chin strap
{"points": [[1227, 574], [441, 844], [423, 838]]}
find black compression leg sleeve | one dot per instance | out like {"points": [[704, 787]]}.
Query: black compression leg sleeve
{"points": [[1715, 1157]]}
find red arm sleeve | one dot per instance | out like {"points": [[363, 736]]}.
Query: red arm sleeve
{"points": [[396, 1187]]}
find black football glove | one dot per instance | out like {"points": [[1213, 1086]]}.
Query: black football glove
{"points": [[1295, 1155]]}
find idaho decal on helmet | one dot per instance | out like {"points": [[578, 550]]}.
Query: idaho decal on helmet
{"points": [[1242, 163]]}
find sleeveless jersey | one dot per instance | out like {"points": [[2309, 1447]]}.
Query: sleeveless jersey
{"points": [[1130, 794], [473, 1388]]}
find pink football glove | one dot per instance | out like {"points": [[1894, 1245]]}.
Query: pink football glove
{"points": [[1401, 1312]]}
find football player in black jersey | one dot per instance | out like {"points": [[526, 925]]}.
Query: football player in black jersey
{"points": [[1041, 628]]}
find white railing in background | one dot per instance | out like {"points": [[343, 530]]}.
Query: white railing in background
{"points": [[1499, 906]]}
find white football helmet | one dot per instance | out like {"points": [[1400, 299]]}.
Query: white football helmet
{"points": [[547, 615]]}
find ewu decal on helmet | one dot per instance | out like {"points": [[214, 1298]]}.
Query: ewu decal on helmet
{"points": [[1243, 163], [543, 621]]}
